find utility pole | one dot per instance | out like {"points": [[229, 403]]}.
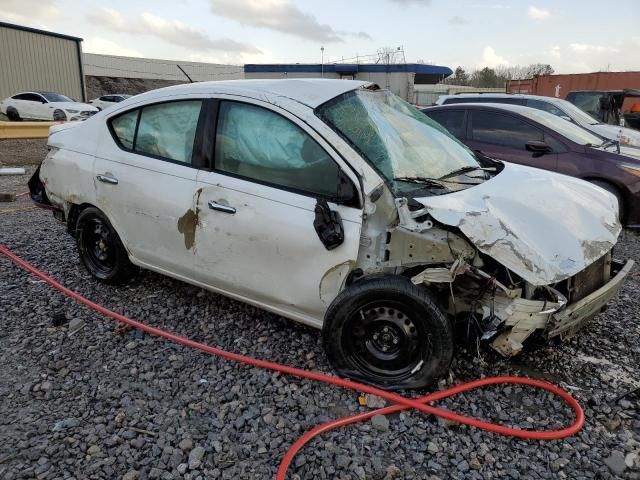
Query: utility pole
{"points": [[322, 62]]}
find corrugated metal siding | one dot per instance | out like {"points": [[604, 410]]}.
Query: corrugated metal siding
{"points": [[32, 61], [132, 67]]}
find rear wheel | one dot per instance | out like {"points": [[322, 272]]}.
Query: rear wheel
{"points": [[100, 248], [13, 114], [389, 333], [615, 192]]}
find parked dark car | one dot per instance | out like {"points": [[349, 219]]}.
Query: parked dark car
{"points": [[536, 138], [605, 105]]}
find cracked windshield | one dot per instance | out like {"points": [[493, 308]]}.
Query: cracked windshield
{"points": [[405, 146]]}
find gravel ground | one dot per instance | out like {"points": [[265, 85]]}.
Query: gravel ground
{"points": [[22, 152], [86, 400]]}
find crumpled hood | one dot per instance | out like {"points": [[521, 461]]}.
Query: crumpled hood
{"points": [[544, 226]]}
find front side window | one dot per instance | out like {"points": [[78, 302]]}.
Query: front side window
{"points": [[165, 130], [505, 130], [259, 144], [56, 97], [397, 139], [545, 106]]}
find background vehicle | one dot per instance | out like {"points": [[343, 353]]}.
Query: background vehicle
{"points": [[605, 105], [45, 106], [556, 106], [258, 190], [106, 101], [539, 139]]}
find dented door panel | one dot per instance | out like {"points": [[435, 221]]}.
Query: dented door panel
{"points": [[152, 207]]}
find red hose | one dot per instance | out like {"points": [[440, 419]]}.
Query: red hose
{"points": [[400, 402]]}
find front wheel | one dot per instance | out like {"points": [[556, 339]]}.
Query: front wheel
{"points": [[59, 116], [100, 248], [389, 333]]}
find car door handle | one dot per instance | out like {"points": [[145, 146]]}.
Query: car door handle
{"points": [[221, 207], [106, 179]]}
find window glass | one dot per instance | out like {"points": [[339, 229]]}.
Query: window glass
{"points": [[568, 130], [168, 130], [124, 127], [452, 120], [395, 138], [588, 102], [257, 143], [29, 97], [545, 106], [56, 97], [505, 130]]}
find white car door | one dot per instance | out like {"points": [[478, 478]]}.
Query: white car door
{"points": [[256, 238], [146, 173], [39, 108]]}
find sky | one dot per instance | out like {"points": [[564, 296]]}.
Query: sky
{"points": [[571, 35]]}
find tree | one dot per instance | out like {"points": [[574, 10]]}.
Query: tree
{"points": [[486, 78], [387, 55], [460, 76]]}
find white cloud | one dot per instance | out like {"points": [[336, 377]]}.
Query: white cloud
{"points": [[538, 13], [555, 51], [491, 59], [107, 47], [458, 20], [586, 48], [281, 16], [171, 31], [26, 11]]}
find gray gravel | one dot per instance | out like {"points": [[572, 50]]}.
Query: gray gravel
{"points": [[88, 400]]}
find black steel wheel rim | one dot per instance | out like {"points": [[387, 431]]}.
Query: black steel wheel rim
{"points": [[97, 246], [383, 340]]}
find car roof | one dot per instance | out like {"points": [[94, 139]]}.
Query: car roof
{"points": [[311, 92], [503, 95]]}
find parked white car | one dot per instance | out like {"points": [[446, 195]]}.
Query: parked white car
{"points": [[556, 106], [107, 101], [45, 106], [336, 204]]}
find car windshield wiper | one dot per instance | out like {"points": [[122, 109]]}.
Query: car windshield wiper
{"points": [[432, 182], [466, 169]]}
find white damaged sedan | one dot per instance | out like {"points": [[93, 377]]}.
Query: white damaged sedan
{"points": [[45, 106], [336, 204]]}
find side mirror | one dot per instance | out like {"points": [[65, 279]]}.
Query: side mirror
{"points": [[538, 148], [43, 101], [564, 117]]}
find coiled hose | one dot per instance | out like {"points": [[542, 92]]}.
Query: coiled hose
{"points": [[400, 402]]}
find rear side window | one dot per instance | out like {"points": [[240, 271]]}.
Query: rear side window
{"points": [[30, 97], [166, 130], [505, 130], [124, 128], [258, 144], [452, 120]]}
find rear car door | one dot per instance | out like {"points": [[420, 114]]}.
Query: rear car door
{"points": [[256, 237], [145, 179], [504, 136]]}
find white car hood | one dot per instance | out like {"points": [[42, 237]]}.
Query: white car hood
{"points": [[81, 107], [544, 226], [611, 132]]}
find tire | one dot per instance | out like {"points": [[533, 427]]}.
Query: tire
{"points": [[13, 115], [389, 333], [615, 192], [101, 250], [59, 116]]}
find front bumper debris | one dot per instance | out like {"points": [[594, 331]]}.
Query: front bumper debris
{"points": [[526, 316], [570, 319]]}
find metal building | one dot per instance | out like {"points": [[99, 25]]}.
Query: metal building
{"points": [[32, 59], [400, 78]]}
